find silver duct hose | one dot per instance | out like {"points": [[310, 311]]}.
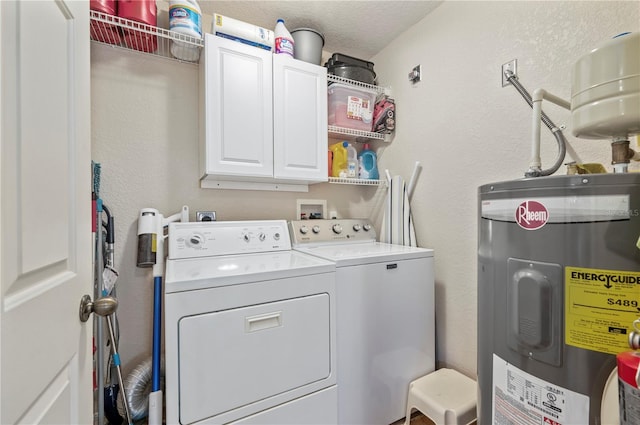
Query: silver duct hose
{"points": [[138, 385], [557, 132]]}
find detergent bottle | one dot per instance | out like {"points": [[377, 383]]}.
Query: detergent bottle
{"points": [[368, 164], [284, 40], [339, 163], [352, 161]]}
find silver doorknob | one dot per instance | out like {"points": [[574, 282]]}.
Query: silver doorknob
{"points": [[102, 307]]}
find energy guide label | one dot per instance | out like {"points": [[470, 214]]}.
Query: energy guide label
{"points": [[524, 399], [600, 306]]}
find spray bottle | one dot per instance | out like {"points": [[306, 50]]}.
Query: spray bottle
{"points": [[151, 237]]}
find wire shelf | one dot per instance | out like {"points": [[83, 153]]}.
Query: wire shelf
{"points": [[336, 79], [131, 35], [360, 182], [356, 135]]}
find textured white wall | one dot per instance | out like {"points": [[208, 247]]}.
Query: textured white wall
{"points": [[463, 127], [466, 130]]}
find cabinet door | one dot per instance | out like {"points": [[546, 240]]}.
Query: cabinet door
{"points": [[299, 120], [238, 119]]}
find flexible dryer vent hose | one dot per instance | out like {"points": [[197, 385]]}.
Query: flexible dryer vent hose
{"points": [[138, 385], [562, 142]]}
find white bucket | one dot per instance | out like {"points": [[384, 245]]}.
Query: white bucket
{"points": [[308, 45]]}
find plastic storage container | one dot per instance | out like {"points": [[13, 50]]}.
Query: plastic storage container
{"points": [[368, 163], [351, 107], [143, 11], [284, 40], [185, 17], [339, 163]]}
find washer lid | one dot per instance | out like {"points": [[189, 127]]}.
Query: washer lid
{"points": [[210, 272], [351, 254]]}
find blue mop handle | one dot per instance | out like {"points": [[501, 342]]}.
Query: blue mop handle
{"points": [[157, 329]]}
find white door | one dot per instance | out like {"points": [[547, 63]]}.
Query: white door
{"points": [[299, 120], [238, 120], [45, 221]]}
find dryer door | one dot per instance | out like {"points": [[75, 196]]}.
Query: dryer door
{"points": [[234, 358]]}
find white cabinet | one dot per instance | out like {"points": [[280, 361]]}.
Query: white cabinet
{"points": [[263, 119]]}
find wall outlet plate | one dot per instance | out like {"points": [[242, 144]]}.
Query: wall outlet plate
{"points": [[416, 74], [205, 216], [509, 66]]}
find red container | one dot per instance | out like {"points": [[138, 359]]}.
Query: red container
{"points": [[144, 12], [101, 31]]}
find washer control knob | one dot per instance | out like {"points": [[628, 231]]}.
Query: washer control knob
{"points": [[262, 237], [366, 227], [246, 237], [304, 230], [357, 227], [316, 229], [276, 236], [337, 228], [196, 240]]}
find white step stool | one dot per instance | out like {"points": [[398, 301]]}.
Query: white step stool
{"points": [[445, 396]]}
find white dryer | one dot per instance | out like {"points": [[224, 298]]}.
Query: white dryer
{"points": [[385, 316], [250, 327]]}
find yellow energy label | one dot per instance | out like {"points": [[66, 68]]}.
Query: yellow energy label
{"points": [[600, 307]]}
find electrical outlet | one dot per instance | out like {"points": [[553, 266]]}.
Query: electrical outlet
{"points": [[509, 66], [205, 216], [415, 75]]}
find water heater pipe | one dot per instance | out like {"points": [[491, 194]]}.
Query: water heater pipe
{"points": [[535, 164], [557, 132]]}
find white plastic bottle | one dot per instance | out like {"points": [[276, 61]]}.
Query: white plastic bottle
{"points": [[352, 161], [284, 40], [185, 17]]}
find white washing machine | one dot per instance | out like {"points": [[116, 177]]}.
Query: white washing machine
{"points": [[250, 327], [385, 316]]}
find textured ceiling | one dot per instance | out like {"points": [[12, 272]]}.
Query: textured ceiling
{"points": [[355, 28]]}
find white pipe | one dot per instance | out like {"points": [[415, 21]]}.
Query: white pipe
{"points": [[414, 178], [536, 99]]}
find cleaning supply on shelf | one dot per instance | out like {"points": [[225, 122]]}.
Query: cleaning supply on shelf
{"points": [[352, 161], [244, 32], [368, 163], [185, 17], [339, 164], [284, 40], [145, 12], [384, 115], [101, 31]]}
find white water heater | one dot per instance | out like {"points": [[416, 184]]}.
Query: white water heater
{"points": [[559, 266]]}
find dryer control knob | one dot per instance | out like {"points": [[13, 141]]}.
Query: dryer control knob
{"points": [[246, 237], [337, 228], [304, 230], [316, 229], [357, 227], [262, 237], [366, 227], [276, 236]]}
